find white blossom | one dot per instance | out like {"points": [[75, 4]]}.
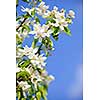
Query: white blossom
{"points": [[29, 51], [19, 53], [34, 97], [50, 78], [58, 17], [25, 86], [18, 69], [25, 33], [44, 73], [55, 8], [36, 60], [39, 61], [41, 32], [29, 70], [71, 14], [24, 94], [22, 35], [24, 9], [27, 10], [35, 78], [17, 24], [60, 22], [50, 13], [42, 8]]}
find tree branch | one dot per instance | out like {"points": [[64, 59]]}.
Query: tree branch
{"points": [[38, 52], [21, 23]]}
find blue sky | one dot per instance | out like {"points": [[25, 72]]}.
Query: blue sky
{"points": [[67, 59]]}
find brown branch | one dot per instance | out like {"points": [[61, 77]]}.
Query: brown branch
{"points": [[21, 23], [38, 52]]}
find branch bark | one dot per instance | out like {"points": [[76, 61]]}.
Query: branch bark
{"points": [[21, 24]]}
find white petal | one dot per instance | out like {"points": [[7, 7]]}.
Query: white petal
{"points": [[44, 58], [55, 8], [62, 28], [51, 77], [35, 50], [43, 64], [18, 69]]}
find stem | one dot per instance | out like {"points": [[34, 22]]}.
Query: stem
{"points": [[21, 23], [38, 52]]}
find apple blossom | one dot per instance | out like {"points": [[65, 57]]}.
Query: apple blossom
{"points": [[42, 8], [41, 32], [25, 86], [32, 77], [71, 14], [28, 10]]}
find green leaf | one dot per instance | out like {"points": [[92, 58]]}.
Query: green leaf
{"points": [[25, 27], [30, 91], [23, 74], [33, 13], [40, 88], [40, 0], [46, 52], [19, 17], [55, 33], [27, 1], [52, 21], [44, 97], [23, 98], [18, 40], [38, 95], [31, 98], [27, 16], [37, 19], [48, 43], [43, 89], [55, 29], [55, 36], [34, 43], [69, 20], [24, 64], [67, 31], [17, 2], [19, 95]]}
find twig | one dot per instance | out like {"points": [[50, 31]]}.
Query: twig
{"points": [[21, 23], [38, 52]]}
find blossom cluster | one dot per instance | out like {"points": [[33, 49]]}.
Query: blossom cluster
{"points": [[41, 32], [35, 70], [57, 19], [32, 79], [35, 59]]}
